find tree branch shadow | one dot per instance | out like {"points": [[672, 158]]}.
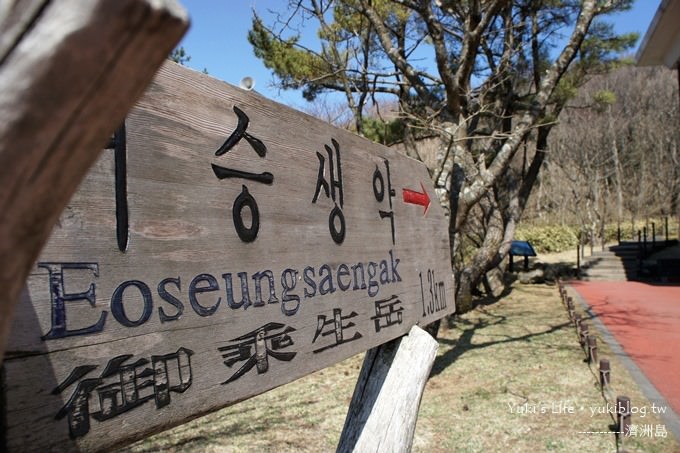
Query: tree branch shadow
{"points": [[464, 343]]}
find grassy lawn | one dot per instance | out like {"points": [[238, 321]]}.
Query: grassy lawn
{"points": [[509, 376]]}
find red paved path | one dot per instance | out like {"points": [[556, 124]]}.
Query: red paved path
{"points": [[645, 320]]}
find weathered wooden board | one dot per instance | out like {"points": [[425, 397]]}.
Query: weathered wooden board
{"points": [[253, 254], [377, 420], [69, 72]]}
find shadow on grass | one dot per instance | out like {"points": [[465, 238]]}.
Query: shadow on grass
{"points": [[464, 343], [202, 434]]}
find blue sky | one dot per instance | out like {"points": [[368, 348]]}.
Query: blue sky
{"points": [[217, 39]]}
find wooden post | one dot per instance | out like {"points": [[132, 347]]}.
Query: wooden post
{"points": [[640, 252], [605, 373], [69, 72], [583, 334], [591, 341], [570, 308], [623, 415], [382, 414], [578, 258], [577, 321]]}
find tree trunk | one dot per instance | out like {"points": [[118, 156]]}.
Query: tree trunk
{"points": [[501, 222], [464, 302], [488, 255]]}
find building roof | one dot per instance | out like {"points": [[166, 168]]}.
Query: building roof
{"points": [[661, 44]]}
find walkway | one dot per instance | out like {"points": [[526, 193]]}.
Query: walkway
{"points": [[644, 320]]}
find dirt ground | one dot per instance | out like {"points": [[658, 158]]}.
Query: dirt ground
{"points": [[509, 376]]}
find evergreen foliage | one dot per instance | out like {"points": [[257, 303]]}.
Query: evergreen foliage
{"points": [[487, 77]]}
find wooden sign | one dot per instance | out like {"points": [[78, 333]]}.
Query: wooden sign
{"points": [[222, 246], [69, 72]]}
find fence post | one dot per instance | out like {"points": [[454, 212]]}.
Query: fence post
{"points": [[605, 373], [592, 348], [653, 237], [666, 228], [578, 258], [570, 308], [639, 251], [382, 414], [583, 335], [623, 414]]}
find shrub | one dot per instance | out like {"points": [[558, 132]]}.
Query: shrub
{"points": [[558, 238], [548, 238]]}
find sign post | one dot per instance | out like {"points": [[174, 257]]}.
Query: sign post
{"points": [[69, 72], [223, 246]]}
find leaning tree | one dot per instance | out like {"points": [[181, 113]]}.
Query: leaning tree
{"points": [[485, 78]]}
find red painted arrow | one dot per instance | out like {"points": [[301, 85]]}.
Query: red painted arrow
{"points": [[413, 197]]}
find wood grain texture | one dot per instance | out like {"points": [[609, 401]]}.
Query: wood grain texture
{"points": [[110, 346], [69, 71], [384, 409]]}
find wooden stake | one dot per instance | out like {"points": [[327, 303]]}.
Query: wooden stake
{"points": [[384, 408], [591, 341], [623, 415], [605, 373]]}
